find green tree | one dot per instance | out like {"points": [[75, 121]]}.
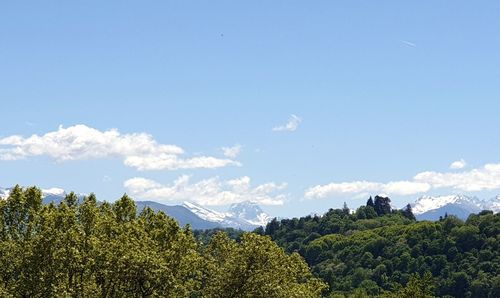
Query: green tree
{"points": [[408, 213], [256, 267], [345, 209], [98, 249], [370, 202], [382, 205]]}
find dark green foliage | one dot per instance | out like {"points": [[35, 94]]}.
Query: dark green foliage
{"points": [[86, 249], [392, 255], [408, 213], [417, 287], [204, 236], [71, 199], [382, 205], [345, 209], [370, 202]]}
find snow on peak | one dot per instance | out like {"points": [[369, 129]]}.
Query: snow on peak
{"points": [[493, 204], [251, 212], [261, 220], [428, 203], [205, 213], [245, 209], [241, 215], [54, 191]]}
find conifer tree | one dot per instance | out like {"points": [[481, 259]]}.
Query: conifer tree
{"points": [[370, 202], [345, 209], [382, 205], [408, 213]]}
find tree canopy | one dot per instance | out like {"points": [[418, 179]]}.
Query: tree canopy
{"points": [[87, 248], [91, 249], [377, 251]]}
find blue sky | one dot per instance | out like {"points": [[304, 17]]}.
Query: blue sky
{"points": [[384, 91]]}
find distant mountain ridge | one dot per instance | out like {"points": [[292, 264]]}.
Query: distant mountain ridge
{"points": [[245, 215], [183, 215], [431, 208], [251, 212]]}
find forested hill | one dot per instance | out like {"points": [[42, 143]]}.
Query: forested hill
{"points": [[376, 250], [80, 248]]}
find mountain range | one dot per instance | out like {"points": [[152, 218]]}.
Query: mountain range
{"points": [[245, 215], [248, 215], [431, 208]]}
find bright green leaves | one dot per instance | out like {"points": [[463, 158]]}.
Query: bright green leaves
{"points": [[256, 267], [91, 249], [125, 209]]}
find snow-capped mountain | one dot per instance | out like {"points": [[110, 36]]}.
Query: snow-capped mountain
{"points": [[427, 203], [431, 208], [182, 214], [53, 192], [251, 212], [245, 215], [205, 213], [493, 204]]}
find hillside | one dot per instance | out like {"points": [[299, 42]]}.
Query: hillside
{"points": [[374, 251]]}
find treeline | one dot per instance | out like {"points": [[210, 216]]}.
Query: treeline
{"points": [[377, 251], [91, 249], [204, 236]]}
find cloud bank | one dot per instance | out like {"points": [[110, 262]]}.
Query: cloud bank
{"points": [[366, 187], [208, 192], [80, 142], [481, 179]]}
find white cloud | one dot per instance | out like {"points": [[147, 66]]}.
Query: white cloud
{"points": [[481, 179], [405, 188], [78, 142], [366, 187], [322, 191], [291, 125], [459, 164], [232, 152], [485, 178], [209, 192]]}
